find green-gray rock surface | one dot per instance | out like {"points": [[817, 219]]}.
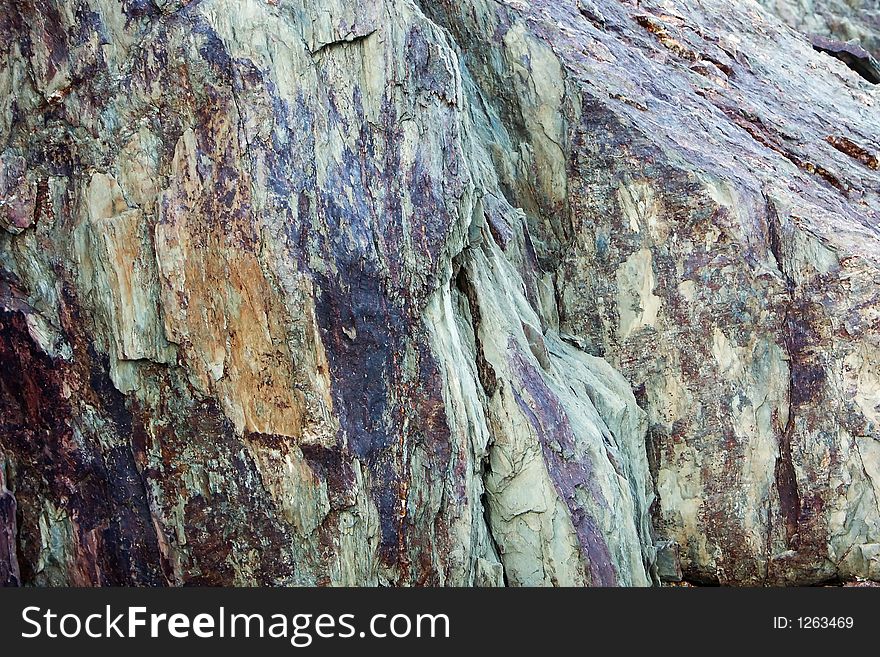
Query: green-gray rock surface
{"points": [[436, 293]]}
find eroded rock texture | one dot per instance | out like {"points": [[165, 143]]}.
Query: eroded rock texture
{"points": [[434, 293], [845, 20]]}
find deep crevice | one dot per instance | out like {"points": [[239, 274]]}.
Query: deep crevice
{"points": [[485, 371], [784, 471]]}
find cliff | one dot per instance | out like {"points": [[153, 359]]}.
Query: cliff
{"points": [[561, 292]]}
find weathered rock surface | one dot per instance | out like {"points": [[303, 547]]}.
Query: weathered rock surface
{"points": [[389, 292], [845, 20], [9, 571]]}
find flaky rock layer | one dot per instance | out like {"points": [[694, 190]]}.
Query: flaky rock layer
{"points": [[434, 293]]}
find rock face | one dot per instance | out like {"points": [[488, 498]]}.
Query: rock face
{"points": [[434, 293], [845, 20]]}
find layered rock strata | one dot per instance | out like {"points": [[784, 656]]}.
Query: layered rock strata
{"points": [[434, 293]]}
